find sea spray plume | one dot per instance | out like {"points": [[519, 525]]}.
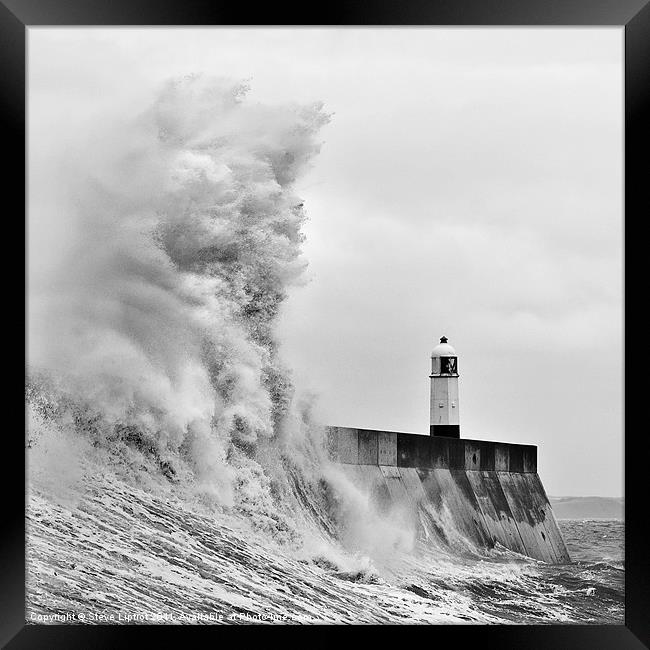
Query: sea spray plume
{"points": [[159, 326], [235, 220], [160, 330]]}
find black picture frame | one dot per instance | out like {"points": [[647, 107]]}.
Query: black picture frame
{"points": [[632, 15]]}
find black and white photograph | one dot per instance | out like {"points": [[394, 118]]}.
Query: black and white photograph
{"points": [[325, 325]]}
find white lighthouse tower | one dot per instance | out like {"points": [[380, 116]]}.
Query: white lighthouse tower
{"points": [[445, 416]]}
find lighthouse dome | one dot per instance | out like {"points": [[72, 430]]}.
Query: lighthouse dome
{"points": [[443, 349]]}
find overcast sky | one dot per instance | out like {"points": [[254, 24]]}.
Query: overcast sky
{"points": [[470, 184]]}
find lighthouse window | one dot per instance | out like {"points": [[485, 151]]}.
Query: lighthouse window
{"points": [[448, 365]]}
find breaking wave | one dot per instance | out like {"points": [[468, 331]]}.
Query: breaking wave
{"points": [[154, 338]]}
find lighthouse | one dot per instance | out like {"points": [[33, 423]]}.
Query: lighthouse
{"points": [[445, 416], [488, 490]]}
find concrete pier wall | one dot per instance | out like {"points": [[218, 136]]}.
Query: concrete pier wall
{"points": [[490, 490]]}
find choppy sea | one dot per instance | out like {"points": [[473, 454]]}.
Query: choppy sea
{"points": [[125, 555]]}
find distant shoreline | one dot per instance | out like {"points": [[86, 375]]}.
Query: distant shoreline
{"points": [[588, 507]]}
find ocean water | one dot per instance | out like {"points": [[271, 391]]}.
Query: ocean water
{"points": [[125, 555], [597, 548]]}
